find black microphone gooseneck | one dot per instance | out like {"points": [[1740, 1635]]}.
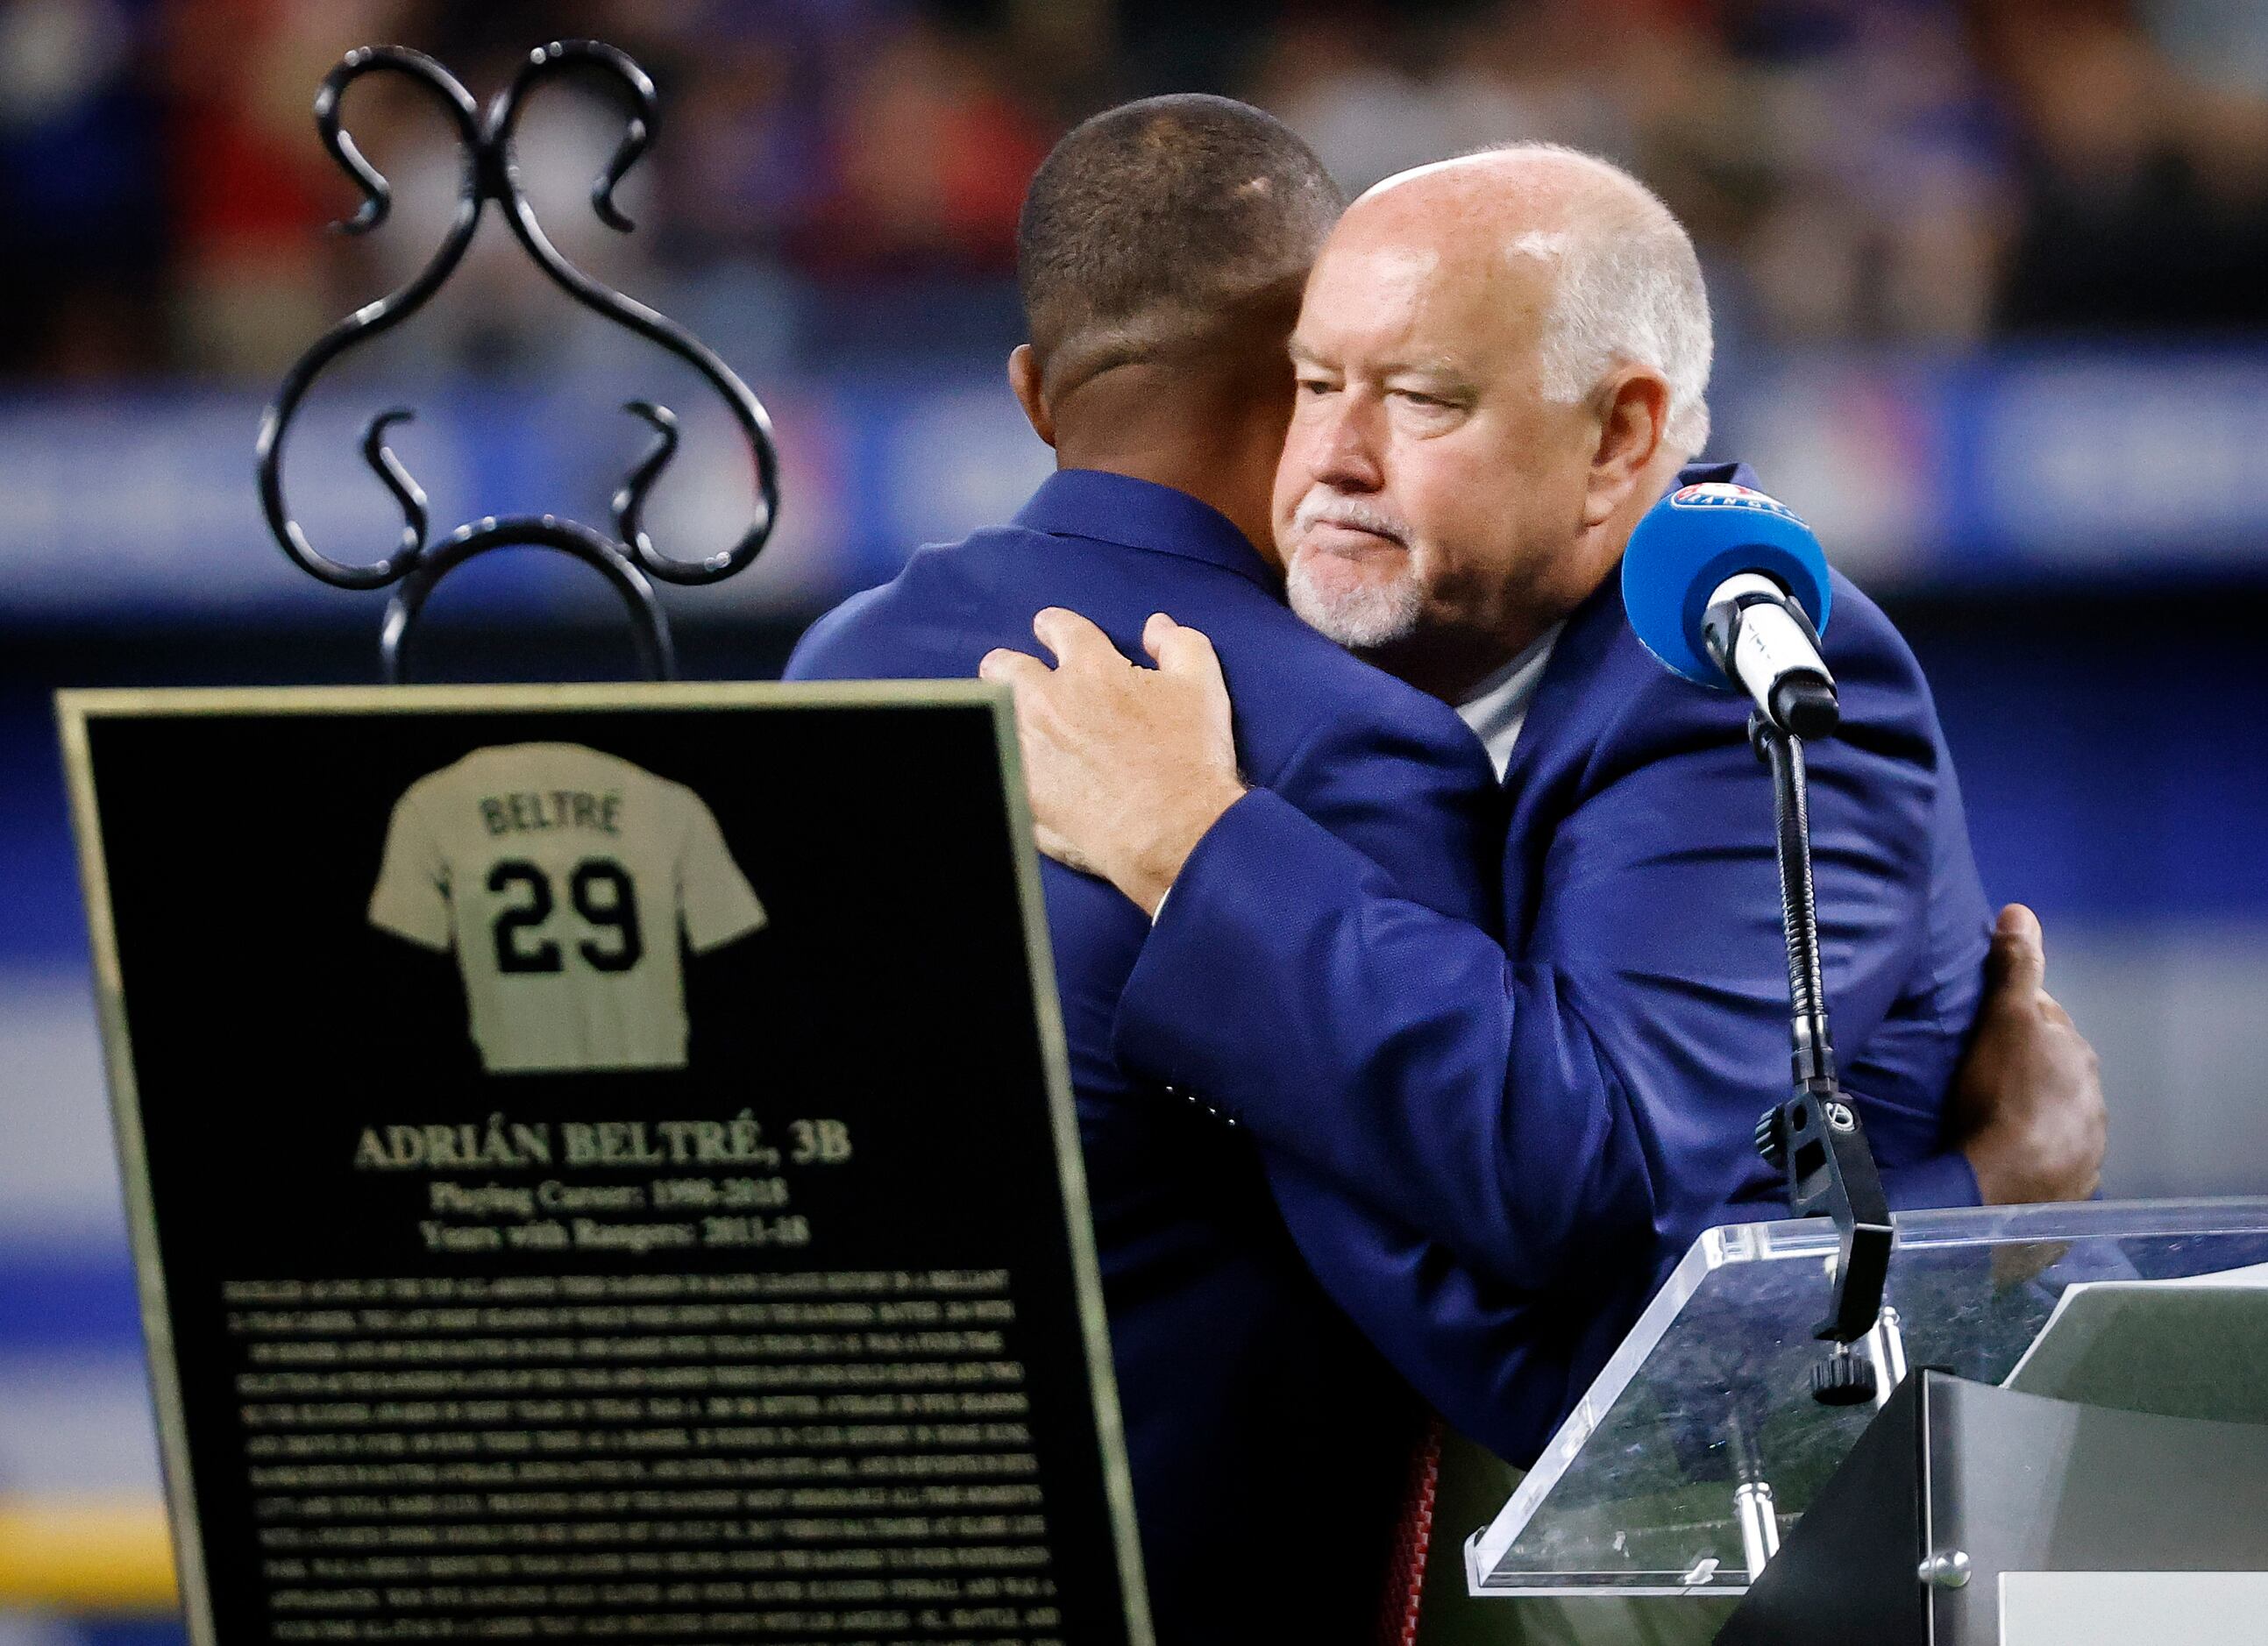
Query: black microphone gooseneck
{"points": [[1815, 1137]]}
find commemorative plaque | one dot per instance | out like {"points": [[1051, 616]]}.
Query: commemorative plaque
{"points": [[602, 1166]]}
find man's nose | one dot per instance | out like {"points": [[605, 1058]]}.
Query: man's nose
{"points": [[1345, 456]]}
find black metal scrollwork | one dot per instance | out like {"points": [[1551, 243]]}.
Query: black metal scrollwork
{"points": [[488, 172]]}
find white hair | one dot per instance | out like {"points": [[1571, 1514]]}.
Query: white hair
{"points": [[1628, 293]]}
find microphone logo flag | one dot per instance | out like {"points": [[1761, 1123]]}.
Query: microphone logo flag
{"points": [[1724, 495]]}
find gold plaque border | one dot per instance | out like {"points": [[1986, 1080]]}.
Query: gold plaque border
{"points": [[74, 710]]}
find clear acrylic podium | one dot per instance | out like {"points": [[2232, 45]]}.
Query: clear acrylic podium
{"points": [[1699, 1448]]}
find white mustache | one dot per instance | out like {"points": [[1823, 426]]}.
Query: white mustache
{"points": [[1321, 507]]}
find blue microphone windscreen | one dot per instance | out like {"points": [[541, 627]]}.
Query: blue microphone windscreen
{"points": [[1691, 541]]}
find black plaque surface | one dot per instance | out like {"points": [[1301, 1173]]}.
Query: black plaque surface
{"points": [[500, 1288]]}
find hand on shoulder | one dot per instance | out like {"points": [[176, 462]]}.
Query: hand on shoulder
{"points": [[1127, 768]]}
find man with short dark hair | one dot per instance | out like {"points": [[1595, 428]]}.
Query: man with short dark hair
{"points": [[1268, 1440], [1160, 256], [1266, 1436]]}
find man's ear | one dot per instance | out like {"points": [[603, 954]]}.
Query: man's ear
{"points": [[1633, 415], [1024, 383]]}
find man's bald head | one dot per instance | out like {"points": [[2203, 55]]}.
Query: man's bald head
{"points": [[1159, 229], [1500, 360], [1626, 281]]}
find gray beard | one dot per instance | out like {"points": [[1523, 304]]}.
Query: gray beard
{"points": [[1362, 618]]}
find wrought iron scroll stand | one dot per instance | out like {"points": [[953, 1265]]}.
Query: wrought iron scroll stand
{"points": [[488, 173]]}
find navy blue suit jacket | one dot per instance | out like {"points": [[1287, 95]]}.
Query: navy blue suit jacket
{"points": [[1268, 1439], [1569, 1102], [1245, 1392]]}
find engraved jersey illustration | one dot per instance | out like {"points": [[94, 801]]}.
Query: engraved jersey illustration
{"points": [[561, 876]]}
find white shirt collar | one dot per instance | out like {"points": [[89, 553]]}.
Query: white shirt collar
{"points": [[1498, 707]]}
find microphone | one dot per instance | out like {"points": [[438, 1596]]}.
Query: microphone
{"points": [[1728, 588]]}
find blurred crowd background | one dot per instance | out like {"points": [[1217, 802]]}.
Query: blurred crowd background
{"points": [[1928, 223], [1930, 171], [1991, 286]]}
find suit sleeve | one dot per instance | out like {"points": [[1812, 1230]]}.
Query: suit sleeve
{"points": [[1410, 788], [1499, 1363], [1943, 1179], [1591, 1096]]}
